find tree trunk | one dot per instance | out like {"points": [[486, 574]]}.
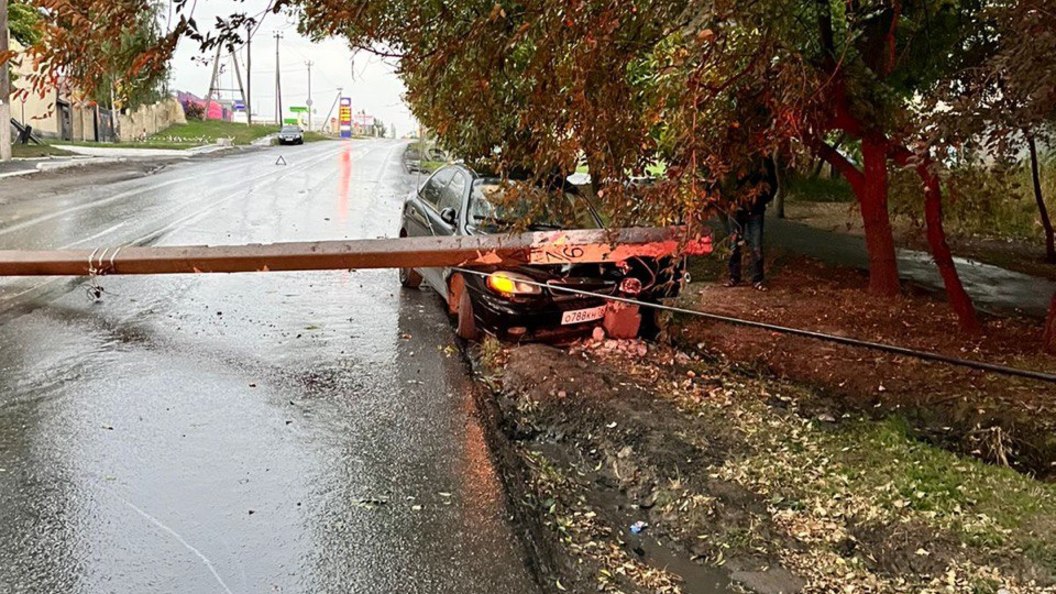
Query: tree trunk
{"points": [[816, 171], [1046, 223], [782, 187], [821, 162], [940, 251], [1050, 328], [879, 239]]}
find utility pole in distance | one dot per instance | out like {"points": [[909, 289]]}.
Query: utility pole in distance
{"points": [[309, 64], [249, 74], [278, 81], [5, 90]]}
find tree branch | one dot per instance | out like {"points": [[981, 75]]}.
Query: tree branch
{"points": [[837, 160]]}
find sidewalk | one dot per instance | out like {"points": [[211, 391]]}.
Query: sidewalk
{"points": [[993, 289], [130, 152], [18, 167]]}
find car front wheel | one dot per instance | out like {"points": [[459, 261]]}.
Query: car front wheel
{"points": [[410, 278], [467, 325]]}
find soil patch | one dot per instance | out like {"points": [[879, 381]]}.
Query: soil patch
{"points": [[642, 468], [1000, 419]]}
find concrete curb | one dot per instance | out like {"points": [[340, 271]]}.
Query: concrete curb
{"points": [[55, 166], [18, 173], [115, 152]]}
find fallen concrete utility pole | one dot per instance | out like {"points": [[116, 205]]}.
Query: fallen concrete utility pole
{"points": [[552, 247]]}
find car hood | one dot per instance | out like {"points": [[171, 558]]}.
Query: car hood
{"points": [[593, 277]]}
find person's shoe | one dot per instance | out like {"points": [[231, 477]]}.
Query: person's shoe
{"points": [[731, 283], [760, 286]]}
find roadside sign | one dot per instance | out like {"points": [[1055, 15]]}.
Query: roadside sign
{"points": [[298, 109], [291, 121], [364, 121], [344, 117]]}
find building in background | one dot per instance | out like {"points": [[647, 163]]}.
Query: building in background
{"points": [[55, 114], [218, 109]]}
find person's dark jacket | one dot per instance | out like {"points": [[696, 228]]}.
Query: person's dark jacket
{"points": [[763, 180]]}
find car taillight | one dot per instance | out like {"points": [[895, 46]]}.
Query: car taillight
{"points": [[630, 286], [511, 283]]}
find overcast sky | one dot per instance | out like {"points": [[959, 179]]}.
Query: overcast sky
{"points": [[370, 81]]}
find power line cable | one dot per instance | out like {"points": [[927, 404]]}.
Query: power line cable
{"points": [[878, 346]]}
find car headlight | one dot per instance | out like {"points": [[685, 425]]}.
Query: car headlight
{"points": [[511, 283]]}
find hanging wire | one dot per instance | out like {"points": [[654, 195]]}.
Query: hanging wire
{"points": [[854, 342]]}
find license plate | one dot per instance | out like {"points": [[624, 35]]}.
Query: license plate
{"points": [[579, 316]]}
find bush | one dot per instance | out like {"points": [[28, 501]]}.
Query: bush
{"points": [[991, 200], [194, 111]]}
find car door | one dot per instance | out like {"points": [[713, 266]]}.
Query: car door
{"points": [[452, 199], [418, 208], [421, 216], [447, 216]]}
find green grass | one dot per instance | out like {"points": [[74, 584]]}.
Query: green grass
{"points": [[316, 137], [430, 166], [36, 150], [819, 189], [978, 202], [988, 505], [198, 132], [150, 144], [874, 478], [653, 170], [878, 470]]}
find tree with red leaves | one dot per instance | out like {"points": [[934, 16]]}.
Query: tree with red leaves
{"points": [[703, 88]]}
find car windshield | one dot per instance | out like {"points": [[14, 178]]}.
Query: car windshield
{"points": [[497, 206], [290, 129]]}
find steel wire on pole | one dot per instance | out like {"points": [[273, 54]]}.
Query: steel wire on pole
{"points": [[878, 346]]}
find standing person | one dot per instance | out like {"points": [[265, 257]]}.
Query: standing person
{"points": [[746, 224]]}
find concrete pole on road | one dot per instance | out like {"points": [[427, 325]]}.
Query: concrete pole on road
{"points": [[326, 120], [5, 90], [249, 74], [539, 248], [278, 82], [212, 83], [238, 75]]}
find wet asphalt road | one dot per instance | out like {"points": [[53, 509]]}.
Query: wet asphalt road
{"points": [[268, 432]]}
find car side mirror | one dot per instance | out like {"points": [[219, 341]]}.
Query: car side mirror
{"points": [[449, 216]]}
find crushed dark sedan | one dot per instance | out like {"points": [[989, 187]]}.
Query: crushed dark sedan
{"points": [[526, 302]]}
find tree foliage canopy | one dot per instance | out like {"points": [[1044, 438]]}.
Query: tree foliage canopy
{"points": [[704, 87], [23, 21]]}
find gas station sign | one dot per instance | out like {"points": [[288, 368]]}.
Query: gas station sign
{"points": [[344, 117]]}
